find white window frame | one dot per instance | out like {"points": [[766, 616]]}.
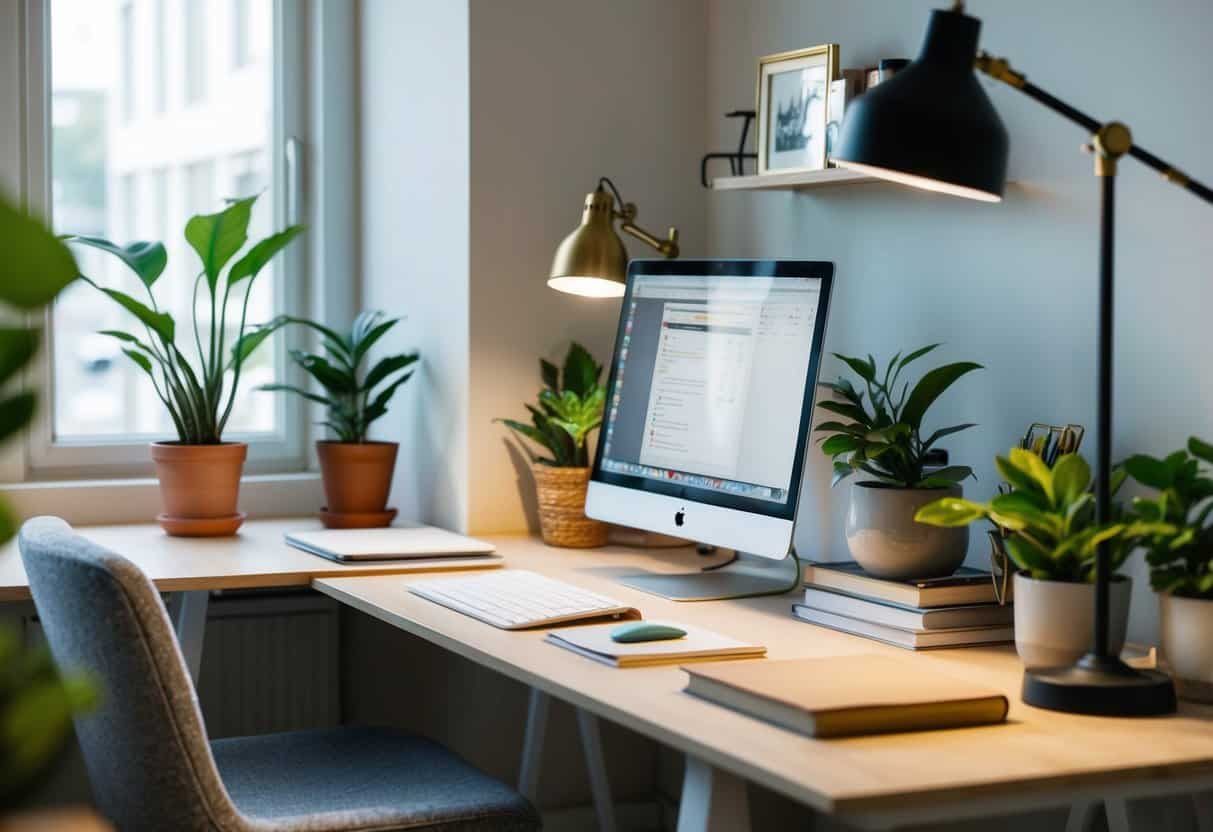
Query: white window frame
{"points": [[313, 146]]}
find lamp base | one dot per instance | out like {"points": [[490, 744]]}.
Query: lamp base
{"points": [[1100, 686]]}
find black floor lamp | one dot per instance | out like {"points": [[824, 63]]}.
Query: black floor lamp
{"points": [[932, 126]]}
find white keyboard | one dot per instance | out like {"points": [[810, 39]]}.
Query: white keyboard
{"points": [[515, 599]]}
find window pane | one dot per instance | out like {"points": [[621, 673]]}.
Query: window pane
{"points": [[134, 154]]}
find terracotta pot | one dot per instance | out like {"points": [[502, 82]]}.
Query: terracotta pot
{"points": [[200, 487], [562, 520], [357, 480]]}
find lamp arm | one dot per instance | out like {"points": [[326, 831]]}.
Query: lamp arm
{"points": [[668, 247], [1000, 69]]}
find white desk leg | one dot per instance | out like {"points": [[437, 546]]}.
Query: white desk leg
{"points": [[712, 800], [591, 745], [1081, 816], [191, 627], [532, 744], [1202, 803]]}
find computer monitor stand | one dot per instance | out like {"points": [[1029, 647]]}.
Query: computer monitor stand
{"points": [[744, 576]]}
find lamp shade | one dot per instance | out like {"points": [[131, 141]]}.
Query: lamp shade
{"points": [[592, 261], [931, 125]]}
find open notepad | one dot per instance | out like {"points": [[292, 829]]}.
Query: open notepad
{"points": [[594, 642]]}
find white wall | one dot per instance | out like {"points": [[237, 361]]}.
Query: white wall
{"points": [[414, 211], [1012, 286], [562, 93]]}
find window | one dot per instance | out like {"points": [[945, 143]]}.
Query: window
{"points": [[242, 22], [195, 40], [115, 173]]}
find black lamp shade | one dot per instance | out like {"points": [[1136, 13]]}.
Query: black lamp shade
{"points": [[931, 125]]}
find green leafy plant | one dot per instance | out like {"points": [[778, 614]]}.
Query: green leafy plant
{"points": [[198, 398], [1049, 515], [36, 707], [1181, 559], [570, 406], [36, 701], [354, 399], [882, 436]]}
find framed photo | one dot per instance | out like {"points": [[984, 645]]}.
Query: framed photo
{"points": [[793, 104]]}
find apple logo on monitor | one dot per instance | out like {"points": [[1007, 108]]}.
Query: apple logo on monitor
{"points": [[680, 517]]}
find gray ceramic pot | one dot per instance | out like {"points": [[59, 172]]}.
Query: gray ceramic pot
{"points": [[1186, 624], [886, 541], [1055, 620]]}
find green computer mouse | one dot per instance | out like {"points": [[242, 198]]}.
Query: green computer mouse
{"points": [[636, 631]]}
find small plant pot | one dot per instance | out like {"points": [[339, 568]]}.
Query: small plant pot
{"points": [[1186, 625], [888, 543], [1055, 620], [561, 497], [357, 481], [200, 487]]}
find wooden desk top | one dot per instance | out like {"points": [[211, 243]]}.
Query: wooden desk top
{"points": [[1038, 758], [255, 558]]}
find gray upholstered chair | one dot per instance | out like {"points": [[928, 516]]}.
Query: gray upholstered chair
{"points": [[146, 748]]}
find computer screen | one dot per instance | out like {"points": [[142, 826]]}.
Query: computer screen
{"points": [[711, 385]]}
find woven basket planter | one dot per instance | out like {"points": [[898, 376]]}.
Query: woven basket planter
{"points": [[561, 497]]}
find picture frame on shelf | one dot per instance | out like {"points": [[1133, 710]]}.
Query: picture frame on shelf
{"points": [[793, 105]]}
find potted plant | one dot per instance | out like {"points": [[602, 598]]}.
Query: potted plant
{"points": [[1181, 560], [570, 407], [357, 471], [1048, 515], [882, 438], [199, 473]]}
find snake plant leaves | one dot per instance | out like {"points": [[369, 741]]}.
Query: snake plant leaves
{"points": [[217, 237], [930, 387], [146, 260], [37, 265]]}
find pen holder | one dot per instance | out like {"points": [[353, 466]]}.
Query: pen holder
{"points": [[560, 493]]}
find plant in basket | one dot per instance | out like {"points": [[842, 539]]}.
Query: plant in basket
{"points": [[569, 408]]}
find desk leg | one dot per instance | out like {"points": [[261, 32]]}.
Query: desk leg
{"points": [[1117, 810], [532, 744], [591, 746], [712, 800], [190, 625]]}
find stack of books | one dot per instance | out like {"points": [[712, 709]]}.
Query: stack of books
{"points": [[957, 611]]}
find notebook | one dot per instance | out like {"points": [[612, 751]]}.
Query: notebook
{"points": [[909, 639], [594, 642], [964, 586], [393, 543], [845, 696]]}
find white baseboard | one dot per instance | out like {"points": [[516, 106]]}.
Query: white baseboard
{"points": [[635, 816]]}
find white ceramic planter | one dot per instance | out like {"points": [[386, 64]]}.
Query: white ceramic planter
{"points": [[887, 542], [1055, 620], [1186, 626]]}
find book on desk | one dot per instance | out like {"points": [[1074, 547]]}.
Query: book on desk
{"points": [[955, 611]]}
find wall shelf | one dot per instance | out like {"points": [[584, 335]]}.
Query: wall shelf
{"points": [[801, 180]]}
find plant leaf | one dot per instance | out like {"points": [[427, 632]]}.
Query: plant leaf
{"points": [[146, 259], [1071, 477], [17, 347], [840, 444], [160, 323], [852, 412], [930, 387], [217, 237], [1036, 469], [386, 367], [550, 373], [37, 265], [260, 254], [15, 413], [916, 354], [942, 432], [1200, 449], [945, 477], [1149, 471], [864, 369], [363, 344], [950, 512], [386, 394], [330, 377], [298, 391], [581, 371]]}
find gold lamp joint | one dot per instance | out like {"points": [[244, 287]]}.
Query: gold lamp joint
{"points": [[999, 69], [1109, 143]]}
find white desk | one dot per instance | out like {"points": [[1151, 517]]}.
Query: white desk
{"points": [[1039, 759]]}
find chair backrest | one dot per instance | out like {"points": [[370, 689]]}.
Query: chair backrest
{"points": [[145, 745]]}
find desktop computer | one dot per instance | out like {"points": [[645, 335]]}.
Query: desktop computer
{"points": [[708, 414]]}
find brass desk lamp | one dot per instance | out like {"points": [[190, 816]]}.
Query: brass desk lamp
{"points": [[932, 126], [592, 260]]}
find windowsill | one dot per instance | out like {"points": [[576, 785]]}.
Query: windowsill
{"points": [[137, 500]]}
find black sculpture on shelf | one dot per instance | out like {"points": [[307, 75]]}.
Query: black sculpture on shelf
{"points": [[737, 159]]}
